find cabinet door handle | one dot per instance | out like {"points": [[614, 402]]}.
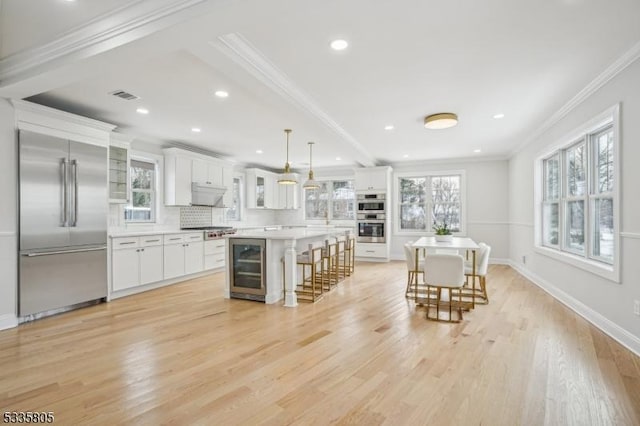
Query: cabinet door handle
{"points": [[174, 239], [151, 241], [128, 242], [369, 251]]}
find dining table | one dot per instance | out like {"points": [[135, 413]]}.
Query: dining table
{"points": [[465, 244]]}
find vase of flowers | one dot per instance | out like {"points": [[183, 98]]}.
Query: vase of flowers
{"points": [[442, 231]]}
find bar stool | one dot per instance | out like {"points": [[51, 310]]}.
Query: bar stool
{"points": [[341, 262], [311, 288], [350, 253], [329, 263]]}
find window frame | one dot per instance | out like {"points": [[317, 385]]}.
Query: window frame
{"points": [[586, 260], [330, 190], [395, 210], [153, 191]]}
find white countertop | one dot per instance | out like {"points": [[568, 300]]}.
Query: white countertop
{"points": [[129, 233], [288, 234]]}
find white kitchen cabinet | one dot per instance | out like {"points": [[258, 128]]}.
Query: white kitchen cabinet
{"points": [[136, 261], [183, 254], [288, 197], [177, 180], [207, 172], [264, 191], [375, 250], [372, 179], [214, 254]]}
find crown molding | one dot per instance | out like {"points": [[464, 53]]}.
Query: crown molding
{"points": [[430, 162], [241, 51], [619, 65], [122, 25]]}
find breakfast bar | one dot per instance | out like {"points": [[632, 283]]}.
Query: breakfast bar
{"points": [[278, 251]]}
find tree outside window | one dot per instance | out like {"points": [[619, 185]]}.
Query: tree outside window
{"points": [[334, 200], [141, 208], [428, 199]]}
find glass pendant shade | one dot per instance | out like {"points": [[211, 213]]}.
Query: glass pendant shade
{"points": [[311, 182], [287, 178]]}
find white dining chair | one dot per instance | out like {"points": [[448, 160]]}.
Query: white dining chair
{"points": [[482, 266], [444, 271], [412, 269]]}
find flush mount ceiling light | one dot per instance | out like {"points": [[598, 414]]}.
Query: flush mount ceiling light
{"points": [[442, 120], [311, 182], [287, 178], [339, 44]]}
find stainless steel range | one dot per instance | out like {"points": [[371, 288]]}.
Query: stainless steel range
{"points": [[214, 232]]}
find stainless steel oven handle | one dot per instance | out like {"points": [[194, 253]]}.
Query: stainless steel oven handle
{"points": [[74, 164], [48, 253], [65, 191]]}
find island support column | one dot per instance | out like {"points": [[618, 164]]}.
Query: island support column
{"points": [[290, 273]]}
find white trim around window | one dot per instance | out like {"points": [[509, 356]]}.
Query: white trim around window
{"points": [[395, 211], [560, 247]]}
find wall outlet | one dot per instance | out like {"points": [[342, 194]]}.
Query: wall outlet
{"points": [[636, 307], [524, 259]]}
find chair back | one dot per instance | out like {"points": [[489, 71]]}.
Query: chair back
{"points": [[444, 270], [483, 261], [410, 254]]}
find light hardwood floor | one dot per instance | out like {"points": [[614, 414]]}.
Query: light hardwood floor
{"points": [[362, 355]]}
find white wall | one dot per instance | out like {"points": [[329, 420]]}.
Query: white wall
{"points": [[608, 304], [487, 188], [8, 221]]}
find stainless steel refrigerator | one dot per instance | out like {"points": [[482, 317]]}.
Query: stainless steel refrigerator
{"points": [[63, 223]]}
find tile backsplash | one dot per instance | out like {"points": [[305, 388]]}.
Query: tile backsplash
{"points": [[195, 216]]}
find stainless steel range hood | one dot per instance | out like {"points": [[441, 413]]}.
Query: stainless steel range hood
{"points": [[206, 194]]}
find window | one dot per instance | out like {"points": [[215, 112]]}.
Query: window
{"points": [[142, 206], [430, 198], [233, 213], [578, 213], [334, 200]]}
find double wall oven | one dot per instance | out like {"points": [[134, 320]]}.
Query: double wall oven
{"points": [[371, 218]]}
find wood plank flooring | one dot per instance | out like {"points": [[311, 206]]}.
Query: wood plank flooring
{"points": [[362, 355]]}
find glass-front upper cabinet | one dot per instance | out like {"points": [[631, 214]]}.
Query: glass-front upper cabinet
{"points": [[119, 169], [259, 191]]}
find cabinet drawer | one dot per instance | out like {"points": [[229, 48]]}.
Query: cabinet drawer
{"points": [[371, 250], [193, 237], [214, 247], [125, 243], [214, 261], [173, 239], [151, 240]]}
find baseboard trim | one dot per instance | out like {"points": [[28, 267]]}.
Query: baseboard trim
{"points": [[8, 321], [607, 326]]}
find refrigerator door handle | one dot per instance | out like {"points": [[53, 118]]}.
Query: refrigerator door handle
{"points": [[48, 253], [65, 192], [74, 165]]}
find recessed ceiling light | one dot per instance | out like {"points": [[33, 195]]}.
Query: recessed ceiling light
{"points": [[405, 156], [142, 111], [338, 159], [222, 94], [497, 116], [196, 129], [259, 151], [339, 44], [389, 127], [442, 120], [477, 150]]}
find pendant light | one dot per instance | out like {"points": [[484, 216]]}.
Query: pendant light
{"points": [[311, 182], [287, 178]]}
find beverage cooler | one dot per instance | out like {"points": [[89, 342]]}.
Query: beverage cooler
{"points": [[247, 268]]}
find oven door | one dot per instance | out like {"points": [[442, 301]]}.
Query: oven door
{"points": [[371, 206], [371, 232]]}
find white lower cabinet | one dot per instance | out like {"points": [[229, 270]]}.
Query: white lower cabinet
{"points": [[371, 250], [136, 261], [183, 254], [214, 254]]}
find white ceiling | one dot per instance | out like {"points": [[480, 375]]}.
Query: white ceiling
{"points": [[406, 59]]}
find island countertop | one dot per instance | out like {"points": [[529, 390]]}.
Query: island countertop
{"points": [[287, 234]]}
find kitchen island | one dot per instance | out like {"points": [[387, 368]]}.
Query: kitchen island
{"points": [[279, 245]]}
